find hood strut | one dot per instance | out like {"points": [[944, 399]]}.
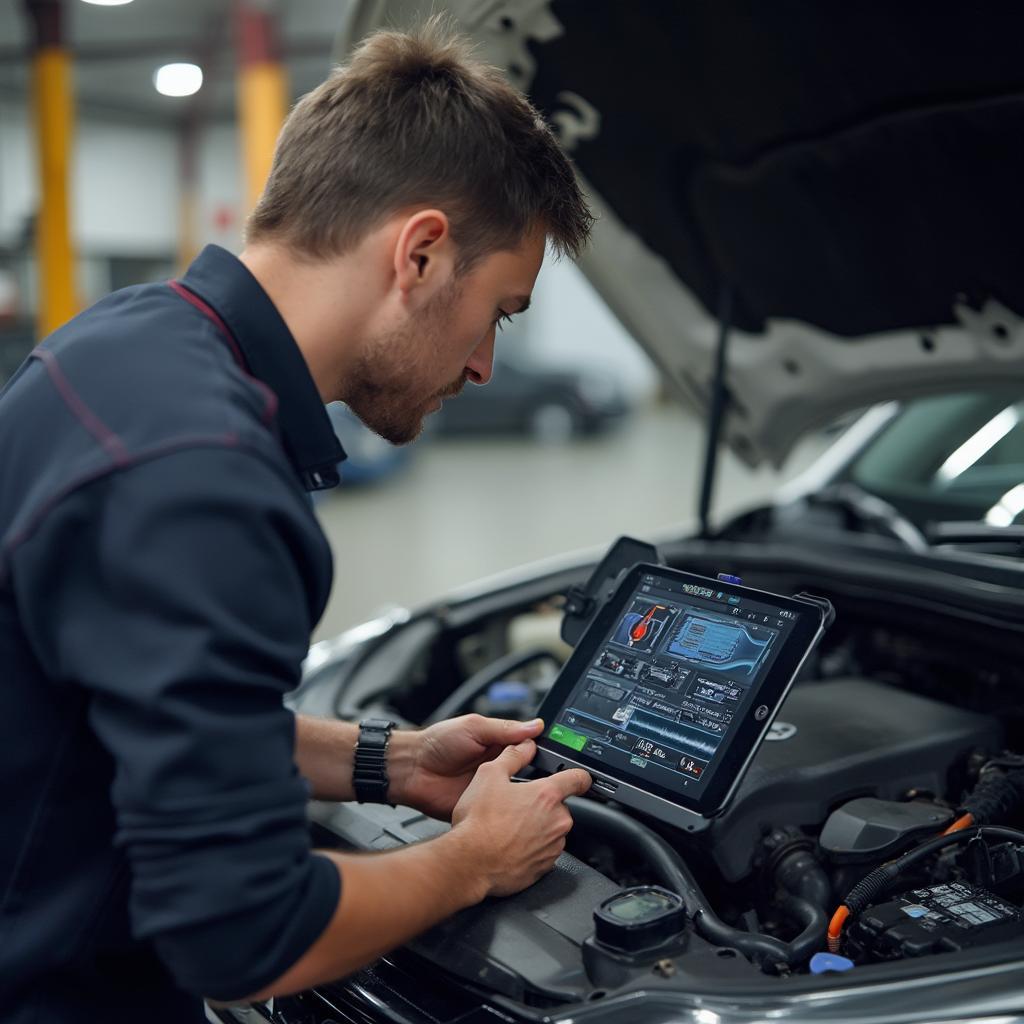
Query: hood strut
{"points": [[717, 410]]}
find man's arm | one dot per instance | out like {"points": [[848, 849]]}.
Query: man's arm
{"points": [[176, 597], [428, 769], [504, 838], [323, 752]]}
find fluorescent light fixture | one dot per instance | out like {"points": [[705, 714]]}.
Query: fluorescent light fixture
{"points": [[978, 444], [107, 3], [178, 79], [1009, 506]]}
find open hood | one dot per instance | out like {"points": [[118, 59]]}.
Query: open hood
{"points": [[845, 181]]}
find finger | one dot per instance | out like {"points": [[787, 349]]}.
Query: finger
{"points": [[515, 758], [571, 782], [503, 731]]}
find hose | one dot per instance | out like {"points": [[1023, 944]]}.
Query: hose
{"points": [[457, 700], [798, 873], [670, 870]]}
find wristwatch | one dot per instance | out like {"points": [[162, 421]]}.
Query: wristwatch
{"points": [[370, 763]]}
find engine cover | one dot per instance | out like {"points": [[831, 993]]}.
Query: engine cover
{"points": [[836, 740], [527, 946]]}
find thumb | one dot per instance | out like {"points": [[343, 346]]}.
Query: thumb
{"points": [[497, 731], [571, 782], [516, 758]]}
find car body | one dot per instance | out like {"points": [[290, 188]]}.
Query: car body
{"points": [[550, 405], [798, 219]]}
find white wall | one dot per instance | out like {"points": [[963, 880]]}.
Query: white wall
{"points": [[124, 185], [221, 194], [125, 202]]}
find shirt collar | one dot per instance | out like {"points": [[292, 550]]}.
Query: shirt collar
{"points": [[272, 356]]}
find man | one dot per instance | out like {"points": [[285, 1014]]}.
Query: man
{"points": [[161, 570]]}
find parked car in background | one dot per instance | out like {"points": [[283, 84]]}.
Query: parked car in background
{"points": [[370, 459], [550, 405]]}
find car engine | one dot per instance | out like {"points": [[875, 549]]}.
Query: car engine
{"points": [[878, 822]]}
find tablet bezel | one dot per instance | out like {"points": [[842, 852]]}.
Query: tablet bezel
{"points": [[745, 736]]}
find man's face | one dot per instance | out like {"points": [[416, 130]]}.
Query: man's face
{"points": [[403, 374]]}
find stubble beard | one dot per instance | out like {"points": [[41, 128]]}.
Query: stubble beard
{"points": [[390, 388]]}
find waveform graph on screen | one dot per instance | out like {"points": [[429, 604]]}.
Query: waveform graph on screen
{"points": [[677, 735], [642, 626], [720, 644]]}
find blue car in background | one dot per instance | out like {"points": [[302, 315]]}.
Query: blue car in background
{"points": [[371, 459]]}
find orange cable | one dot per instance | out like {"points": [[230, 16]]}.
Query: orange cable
{"points": [[835, 927], [965, 821]]}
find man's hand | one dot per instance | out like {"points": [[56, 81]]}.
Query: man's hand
{"points": [[430, 769], [516, 830], [505, 836]]}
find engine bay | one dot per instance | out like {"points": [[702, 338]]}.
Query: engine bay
{"points": [[907, 721]]}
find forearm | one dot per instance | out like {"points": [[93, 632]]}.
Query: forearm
{"points": [[386, 900], [324, 749]]}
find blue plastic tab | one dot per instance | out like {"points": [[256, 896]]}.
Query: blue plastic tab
{"points": [[724, 577], [822, 962]]}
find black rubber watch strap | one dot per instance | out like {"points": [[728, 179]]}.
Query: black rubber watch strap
{"points": [[370, 763]]}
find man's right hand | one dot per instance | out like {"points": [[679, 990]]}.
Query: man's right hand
{"points": [[515, 831], [505, 835]]}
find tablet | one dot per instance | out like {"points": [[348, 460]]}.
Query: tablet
{"points": [[672, 688]]}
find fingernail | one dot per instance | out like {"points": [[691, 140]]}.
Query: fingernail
{"points": [[536, 721]]}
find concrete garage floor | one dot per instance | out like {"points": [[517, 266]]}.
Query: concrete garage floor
{"points": [[464, 509]]}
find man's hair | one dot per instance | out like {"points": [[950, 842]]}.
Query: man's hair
{"points": [[415, 119]]}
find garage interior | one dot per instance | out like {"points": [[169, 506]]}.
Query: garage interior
{"points": [[151, 178]]}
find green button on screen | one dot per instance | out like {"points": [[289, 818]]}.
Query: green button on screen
{"points": [[560, 734]]}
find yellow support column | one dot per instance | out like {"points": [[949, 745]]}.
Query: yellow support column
{"points": [[51, 94], [262, 91]]}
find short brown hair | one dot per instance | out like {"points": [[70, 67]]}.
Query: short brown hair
{"points": [[410, 119]]}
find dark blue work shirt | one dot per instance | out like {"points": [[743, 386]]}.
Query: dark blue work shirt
{"points": [[160, 573]]}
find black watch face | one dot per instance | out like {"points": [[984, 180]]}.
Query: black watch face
{"points": [[673, 684]]}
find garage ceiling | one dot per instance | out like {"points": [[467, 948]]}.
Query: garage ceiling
{"points": [[117, 49]]}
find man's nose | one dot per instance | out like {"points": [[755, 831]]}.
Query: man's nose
{"points": [[481, 363]]}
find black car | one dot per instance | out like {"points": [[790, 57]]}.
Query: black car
{"points": [[549, 405], [805, 209]]}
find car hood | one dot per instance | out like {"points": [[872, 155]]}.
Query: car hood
{"points": [[842, 181]]}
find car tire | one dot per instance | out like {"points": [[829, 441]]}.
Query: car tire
{"points": [[552, 423]]}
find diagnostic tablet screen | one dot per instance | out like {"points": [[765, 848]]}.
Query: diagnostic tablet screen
{"points": [[671, 675]]}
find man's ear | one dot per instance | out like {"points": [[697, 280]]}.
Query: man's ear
{"points": [[424, 254]]}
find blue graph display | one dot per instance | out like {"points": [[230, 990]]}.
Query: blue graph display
{"points": [[717, 644], [675, 734]]}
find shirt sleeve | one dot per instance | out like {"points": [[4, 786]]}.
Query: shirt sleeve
{"points": [[178, 596]]}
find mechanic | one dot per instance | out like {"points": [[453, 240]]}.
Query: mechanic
{"points": [[161, 569]]}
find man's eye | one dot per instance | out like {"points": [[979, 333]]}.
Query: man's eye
{"points": [[502, 318]]}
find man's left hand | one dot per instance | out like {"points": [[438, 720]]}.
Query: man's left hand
{"points": [[430, 769]]}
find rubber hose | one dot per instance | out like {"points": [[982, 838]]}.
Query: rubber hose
{"points": [[457, 700], [620, 830], [801, 876]]}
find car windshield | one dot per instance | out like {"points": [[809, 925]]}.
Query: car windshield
{"points": [[956, 457]]}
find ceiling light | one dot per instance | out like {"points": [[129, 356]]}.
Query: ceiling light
{"points": [[178, 79], [107, 3]]}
